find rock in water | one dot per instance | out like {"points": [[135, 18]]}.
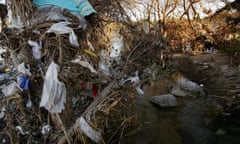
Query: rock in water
{"points": [[166, 100], [176, 91]]}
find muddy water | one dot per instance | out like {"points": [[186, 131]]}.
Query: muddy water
{"points": [[195, 120]]}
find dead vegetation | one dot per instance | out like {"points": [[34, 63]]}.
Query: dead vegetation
{"points": [[98, 98]]}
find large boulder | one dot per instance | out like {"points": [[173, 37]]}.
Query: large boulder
{"points": [[166, 100]]}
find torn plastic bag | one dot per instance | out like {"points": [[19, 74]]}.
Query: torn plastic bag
{"points": [[84, 64], [10, 89], [136, 83], [89, 131], [54, 91], [22, 69], [46, 129], [20, 130], [36, 49], [62, 28]]}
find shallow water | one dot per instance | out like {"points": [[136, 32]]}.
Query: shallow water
{"points": [[193, 121]]}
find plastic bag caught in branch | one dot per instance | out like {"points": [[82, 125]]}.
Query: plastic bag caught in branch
{"points": [[136, 83], [84, 64], [54, 91], [22, 69], [62, 28], [89, 131], [36, 49]]}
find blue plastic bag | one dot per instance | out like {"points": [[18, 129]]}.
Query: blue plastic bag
{"points": [[83, 7], [23, 82]]}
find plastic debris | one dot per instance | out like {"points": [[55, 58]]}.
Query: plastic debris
{"points": [[29, 102], [22, 69], [89, 131], [36, 49], [4, 76], [62, 28], [85, 8], [49, 13], [136, 82], [105, 62], [56, 13], [20, 130], [89, 52], [89, 44], [117, 47], [84, 64], [54, 91], [2, 113], [94, 90], [23, 82], [139, 90], [46, 129], [10, 89]]}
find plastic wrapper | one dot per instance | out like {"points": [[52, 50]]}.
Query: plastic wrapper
{"points": [[54, 91], [62, 28]]}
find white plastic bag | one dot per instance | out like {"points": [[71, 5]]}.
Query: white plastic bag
{"points": [[36, 49], [136, 83], [89, 131], [54, 91], [62, 28], [84, 64], [22, 69]]}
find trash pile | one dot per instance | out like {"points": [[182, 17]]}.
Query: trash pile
{"points": [[74, 75]]}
